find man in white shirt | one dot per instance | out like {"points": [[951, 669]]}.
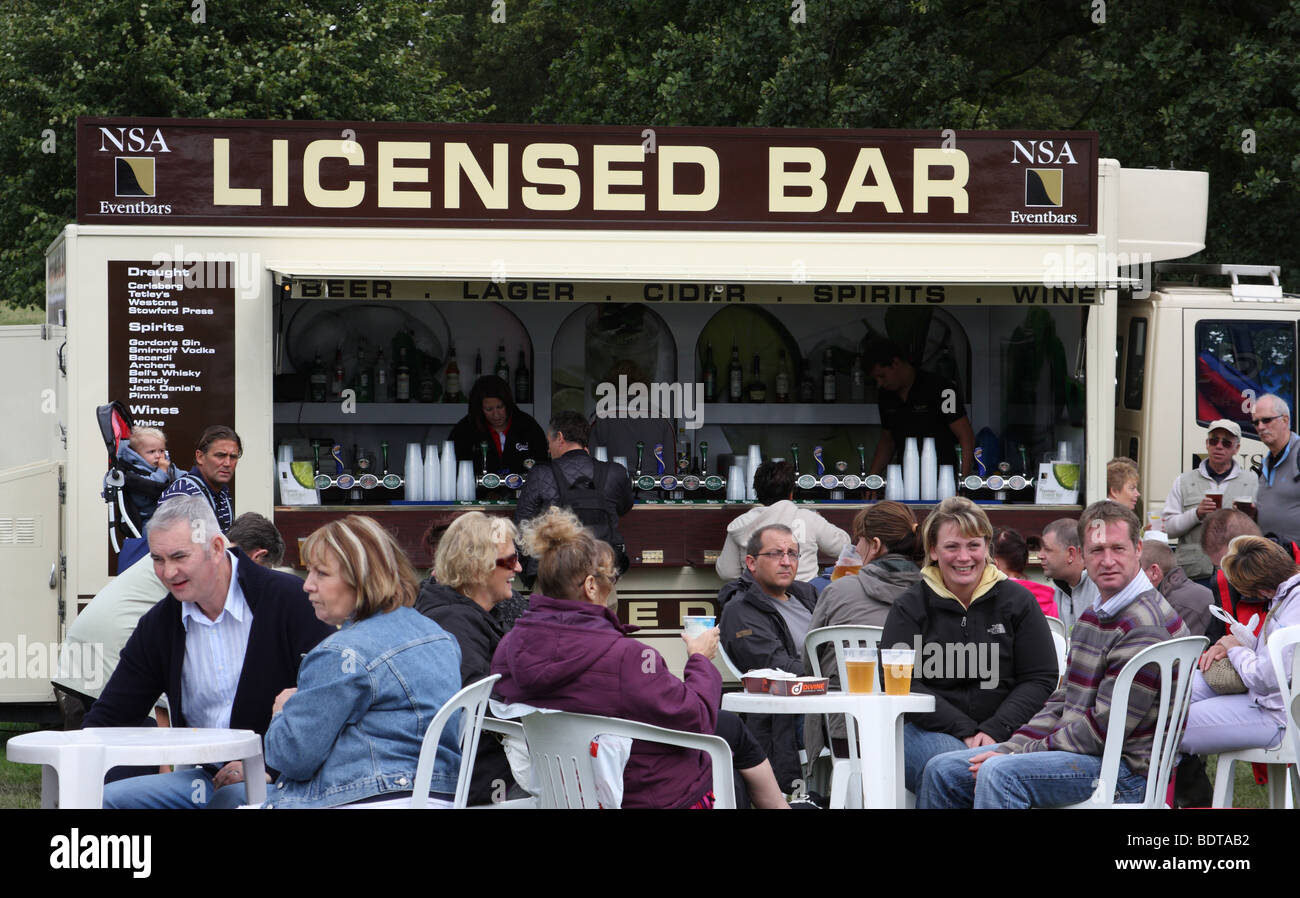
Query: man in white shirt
{"points": [[1062, 560], [222, 644]]}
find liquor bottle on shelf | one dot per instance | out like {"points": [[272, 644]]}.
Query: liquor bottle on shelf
{"points": [[319, 380], [710, 375], [336, 376], [428, 387], [858, 381], [365, 377], [523, 383], [451, 378], [735, 377], [383, 383], [502, 368], [782, 378], [807, 386], [756, 389], [828, 377], [402, 383]]}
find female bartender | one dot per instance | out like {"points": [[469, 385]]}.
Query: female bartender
{"points": [[512, 436]]}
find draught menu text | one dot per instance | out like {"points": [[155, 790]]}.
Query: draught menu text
{"points": [[171, 357]]}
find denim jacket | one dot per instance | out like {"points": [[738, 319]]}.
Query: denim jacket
{"points": [[365, 696]]}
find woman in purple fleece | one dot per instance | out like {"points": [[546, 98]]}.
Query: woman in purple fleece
{"points": [[570, 652]]}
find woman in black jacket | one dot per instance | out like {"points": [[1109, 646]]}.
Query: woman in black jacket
{"points": [[515, 441], [983, 648], [475, 566]]}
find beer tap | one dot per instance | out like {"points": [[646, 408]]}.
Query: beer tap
{"points": [[870, 481], [644, 482], [666, 482], [367, 480], [712, 482], [390, 481], [342, 479], [803, 481], [320, 481], [355, 494], [487, 480]]}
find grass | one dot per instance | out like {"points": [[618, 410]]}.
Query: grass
{"points": [[20, 784], [1246, 794], [25, 315]]}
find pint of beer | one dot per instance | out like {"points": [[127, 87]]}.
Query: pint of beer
{"points": [[898, 665], [848, 564], [860, 667]]}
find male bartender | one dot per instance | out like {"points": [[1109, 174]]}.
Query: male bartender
{"points": [[915, 403]]}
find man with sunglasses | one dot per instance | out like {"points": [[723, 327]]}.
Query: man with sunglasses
{"points": [[1278, 499], [1187, 503], [766, 613]]}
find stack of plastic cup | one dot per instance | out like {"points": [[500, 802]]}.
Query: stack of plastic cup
{"points": [[911, 471], [465, 482], [755, 459], [414, 473], [447, 472], [736, 484], [894, 483], [947, 482], [929, 471], [432, 476], [600, 454]]}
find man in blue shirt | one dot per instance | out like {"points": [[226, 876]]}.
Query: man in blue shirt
{"points": [[1278, 499], [215, 458], [224, 642]]}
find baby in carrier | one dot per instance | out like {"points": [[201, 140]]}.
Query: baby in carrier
{"points": [[145, 456]]}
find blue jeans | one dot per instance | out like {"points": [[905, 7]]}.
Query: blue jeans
{"points": [[1036, 779], [178, 790], [919, 746]]}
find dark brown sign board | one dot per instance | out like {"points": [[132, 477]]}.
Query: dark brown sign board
{"points": [[369, 174], [171, 348]]}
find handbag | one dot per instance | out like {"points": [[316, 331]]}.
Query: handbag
{"points": [[1223, 678]]}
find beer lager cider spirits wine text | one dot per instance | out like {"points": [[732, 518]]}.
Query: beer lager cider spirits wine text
{"points": [[782, 378], [828, 378], [710, 376], [756, 390], [523, 383], [319, 380], [502, 369], [735, 377], [403, 380], [451, 380]]}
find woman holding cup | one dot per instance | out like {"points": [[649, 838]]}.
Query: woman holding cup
{"points": [[979, 643]]}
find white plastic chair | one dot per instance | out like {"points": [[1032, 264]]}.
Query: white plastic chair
{"points": [[473, 700], [1057, 626], [1172, 702], [1062, 652], [1288, 751], [844, 771], [510, 729], [559, 744], [731, 666]]}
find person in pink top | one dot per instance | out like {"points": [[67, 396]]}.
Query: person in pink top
{"points": [[1011, 555]]}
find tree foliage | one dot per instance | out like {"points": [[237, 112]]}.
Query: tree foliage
{"points": [[1204, 84], [223, 59]]}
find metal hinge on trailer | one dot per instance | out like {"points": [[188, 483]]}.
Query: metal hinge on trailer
{"points": [[1270, 292], [63, 492]]}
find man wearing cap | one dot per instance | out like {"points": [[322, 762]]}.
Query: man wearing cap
{"points": [[1187, 503], [1278, 498]]}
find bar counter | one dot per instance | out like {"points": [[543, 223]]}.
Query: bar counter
{"points": [[657, 534]]}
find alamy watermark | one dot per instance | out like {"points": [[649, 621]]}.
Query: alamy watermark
{"points": [[1087, 269], [955, 661], [82, 662], [655, 400], [181, 270]]}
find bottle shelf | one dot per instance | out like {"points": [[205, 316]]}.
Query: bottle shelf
{"points": [[790, 413], [374, 412]]}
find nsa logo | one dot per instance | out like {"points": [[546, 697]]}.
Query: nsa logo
{"points": [[134, 176], [1044, 186]]}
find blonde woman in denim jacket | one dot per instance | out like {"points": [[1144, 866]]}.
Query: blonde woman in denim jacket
{"points": [[352, 729]]}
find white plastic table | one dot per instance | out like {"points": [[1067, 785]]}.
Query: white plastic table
{"points": [[879, 721], [74, 762]]}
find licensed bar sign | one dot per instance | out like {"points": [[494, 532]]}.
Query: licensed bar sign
{"points": [[368, 174]]}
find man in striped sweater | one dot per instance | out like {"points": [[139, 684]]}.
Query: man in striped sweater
{"points": [[1055, 758]]}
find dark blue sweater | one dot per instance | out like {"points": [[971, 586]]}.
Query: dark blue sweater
{"points": [[284, 629]]}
